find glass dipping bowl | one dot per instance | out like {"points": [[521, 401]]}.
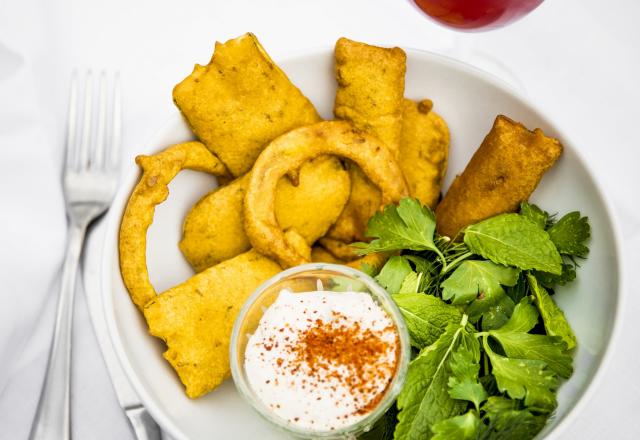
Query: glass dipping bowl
{"points": [[306, 278]]}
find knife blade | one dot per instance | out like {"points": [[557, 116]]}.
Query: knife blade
{"points": [[142, 424]]}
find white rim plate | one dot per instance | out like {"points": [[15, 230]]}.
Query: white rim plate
{"points": [[469, 100]]}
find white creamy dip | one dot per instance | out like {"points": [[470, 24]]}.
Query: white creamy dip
{"points": [[322, 360]]}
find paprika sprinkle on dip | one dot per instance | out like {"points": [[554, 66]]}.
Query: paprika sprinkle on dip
{"points": [[322, 360]]}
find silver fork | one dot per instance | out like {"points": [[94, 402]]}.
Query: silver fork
{"points": [[89, 181]]}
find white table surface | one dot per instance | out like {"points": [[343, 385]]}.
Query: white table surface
{"points": [[579, 60]]}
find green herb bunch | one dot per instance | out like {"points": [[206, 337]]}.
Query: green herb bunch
{"points": [[490, 343]]}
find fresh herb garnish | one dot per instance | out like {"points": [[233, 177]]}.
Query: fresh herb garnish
{"points": [[478, 279], [514, 240], [424, 399], [493, 344], [426, 317]]}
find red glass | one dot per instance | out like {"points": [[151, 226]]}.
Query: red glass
{"points": [[477, 14]]}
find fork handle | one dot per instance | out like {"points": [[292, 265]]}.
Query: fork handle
{"points": [[52, 420]]}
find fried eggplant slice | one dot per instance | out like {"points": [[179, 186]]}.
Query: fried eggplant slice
{"points": [[370, 96], [152, 189], [286, 154], [214, 228], [502, 173], [241, 101], [423, 151], [195, 318]]}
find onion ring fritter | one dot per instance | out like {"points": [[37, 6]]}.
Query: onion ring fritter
{"points": [[287, 153], [157, 171]]}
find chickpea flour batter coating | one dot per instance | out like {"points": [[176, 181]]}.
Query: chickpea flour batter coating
{"points": [[502, 173], [370, 96], [214, 227], [240, 101], [287, 153]]}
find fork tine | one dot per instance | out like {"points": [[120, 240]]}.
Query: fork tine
{"points": [[86, 121], [116, 132], [97, 152], [72, 147]]}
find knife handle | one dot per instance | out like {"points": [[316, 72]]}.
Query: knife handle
{"points": [[143, 424]]}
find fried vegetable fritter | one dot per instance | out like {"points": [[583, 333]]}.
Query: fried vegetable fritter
{"points": [[370, 96], [240, 101], [157, 171], [423, 151], [214, 228], [287, 153], [195, 318], [502, 173]]}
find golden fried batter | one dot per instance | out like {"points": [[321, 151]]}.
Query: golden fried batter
{"points": [[321, 255], [370, 89], [240, 101], [338, 249], [370, 95], [287, 153], [214, 228], [502, 173], [195, 318], [157, 171], [423, 151]]}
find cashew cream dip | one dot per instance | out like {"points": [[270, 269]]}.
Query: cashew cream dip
{"points": [[322, 360]]}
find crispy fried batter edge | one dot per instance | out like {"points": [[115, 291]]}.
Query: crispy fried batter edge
{"points": [[289, 152], [157, 171]]}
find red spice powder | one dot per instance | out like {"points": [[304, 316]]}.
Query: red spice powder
{"points": [[363, 353]]}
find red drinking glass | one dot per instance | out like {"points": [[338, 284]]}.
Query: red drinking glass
{"points": [[474, 15]]}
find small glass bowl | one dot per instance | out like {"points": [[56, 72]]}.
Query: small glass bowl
{"points": [[306, 278]]}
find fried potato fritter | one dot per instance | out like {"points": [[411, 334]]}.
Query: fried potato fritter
{"points": [[502, 173], [240, 101], [195, 318], [370, 96], [424, 151], [157, 171], [287, 153]]}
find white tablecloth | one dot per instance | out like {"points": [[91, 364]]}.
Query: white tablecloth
{"points": [[579, 60]]}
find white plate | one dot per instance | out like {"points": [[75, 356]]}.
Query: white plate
{"points": [[469, 100]]}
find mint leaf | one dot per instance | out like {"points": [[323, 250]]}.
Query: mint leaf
{"points": [[426, 316], [475, 278], [408, 226], [534, 214], [523, 319], [570, 233], [393, 274], [493, 315], [526, 379], [512, 240], [411, 283], [550, 280], [464, 427], [463, 383], [555, 323], [505, 421], [424, 399]]}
